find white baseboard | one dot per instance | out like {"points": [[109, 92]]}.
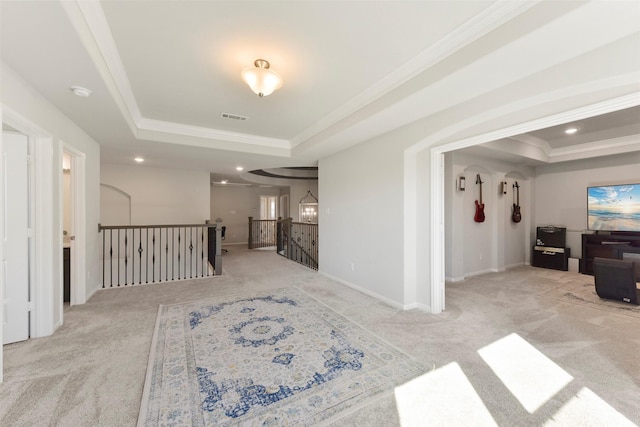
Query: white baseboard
{"points": [[477, 273], [375, 295], [92, 292], [418, 306], [517, 264]]}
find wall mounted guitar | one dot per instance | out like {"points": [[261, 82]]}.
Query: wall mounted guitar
{"points": [[479, 215], [516, 216]]}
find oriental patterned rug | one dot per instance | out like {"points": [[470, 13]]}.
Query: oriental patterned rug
{"points": [[271, 359]]}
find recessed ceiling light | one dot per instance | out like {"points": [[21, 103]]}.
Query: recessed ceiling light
{"points": [[224, 181], [571, 130], [139, 159], [80, 91], [239, 168]]}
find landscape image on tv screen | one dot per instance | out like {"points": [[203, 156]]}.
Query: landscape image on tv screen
{"points": [[614, 208]]}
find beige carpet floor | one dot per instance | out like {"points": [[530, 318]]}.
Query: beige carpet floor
{"points": [[560, 355]]}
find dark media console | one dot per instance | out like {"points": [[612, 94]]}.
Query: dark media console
{"points": [[611, 245]]}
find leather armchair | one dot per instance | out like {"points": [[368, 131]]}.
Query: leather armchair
{"points": [[617, 279]]}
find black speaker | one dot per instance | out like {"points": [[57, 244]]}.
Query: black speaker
{"points": [[549, 257], [551, 236]]}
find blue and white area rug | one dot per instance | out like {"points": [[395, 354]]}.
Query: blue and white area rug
{"points": [[272, 359]]}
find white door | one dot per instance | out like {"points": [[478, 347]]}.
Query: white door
{"points": [[15, 251]]}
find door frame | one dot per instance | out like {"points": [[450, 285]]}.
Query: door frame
{"points": [[43, 283], [437, 193], [78, 221]]}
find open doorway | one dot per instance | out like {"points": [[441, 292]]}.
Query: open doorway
{"points": [[72, 227], [426, 161], [68, 235]]}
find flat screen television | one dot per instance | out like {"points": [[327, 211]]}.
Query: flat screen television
{"points": [[614, 208]]}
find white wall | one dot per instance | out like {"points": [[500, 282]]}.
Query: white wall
{"points": [[27, 104], [561, 191], [159, 196], [386, 182], [497, 243], [115, 206], [360, 218], [235, 205]]}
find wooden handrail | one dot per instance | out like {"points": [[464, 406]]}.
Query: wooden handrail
{"points": [[129, 227], [158, 253], [289, 234]]}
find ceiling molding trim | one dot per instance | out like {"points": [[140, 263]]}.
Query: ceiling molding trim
{"points": [[538, 143], [518, 148], [231, 184], [481, 24], [99, 27], [211, 134], [616, 104], [90, 24], [419, 105], [604, 107], [20, 123], [293, 173], [623, 144]]}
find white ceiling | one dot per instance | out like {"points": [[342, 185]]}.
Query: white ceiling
{"points": [[607, 134], [162, 72]]}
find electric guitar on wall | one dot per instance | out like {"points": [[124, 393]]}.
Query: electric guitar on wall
{"points": [[479, 216], [517, 216]]}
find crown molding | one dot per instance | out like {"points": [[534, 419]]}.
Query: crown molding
{"points": [[624, 144], [535, 142], [87, 18], [91, 24], [211, 134], [479, 25], [99, 27]]}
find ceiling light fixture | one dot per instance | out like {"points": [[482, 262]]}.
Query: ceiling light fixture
{"points": [[261, 79], [224, 181], [80, 91], [139, 159], [571, 130], [239, 168]]}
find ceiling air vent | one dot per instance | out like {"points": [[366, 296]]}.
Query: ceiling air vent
{"points": [[233, 116]]}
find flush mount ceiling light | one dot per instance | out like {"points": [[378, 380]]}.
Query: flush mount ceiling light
{"points": [[139, 159], [80, 91], [239, 168], [261, 79]]}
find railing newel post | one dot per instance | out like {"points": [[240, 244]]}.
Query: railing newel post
{"points": [[118, 257], [289, 232], [111, 258], [160, 255], [103, 256], [218, 261]]}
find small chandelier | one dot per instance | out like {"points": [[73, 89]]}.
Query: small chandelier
{"points": [[261, 79], [309, 208]]}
